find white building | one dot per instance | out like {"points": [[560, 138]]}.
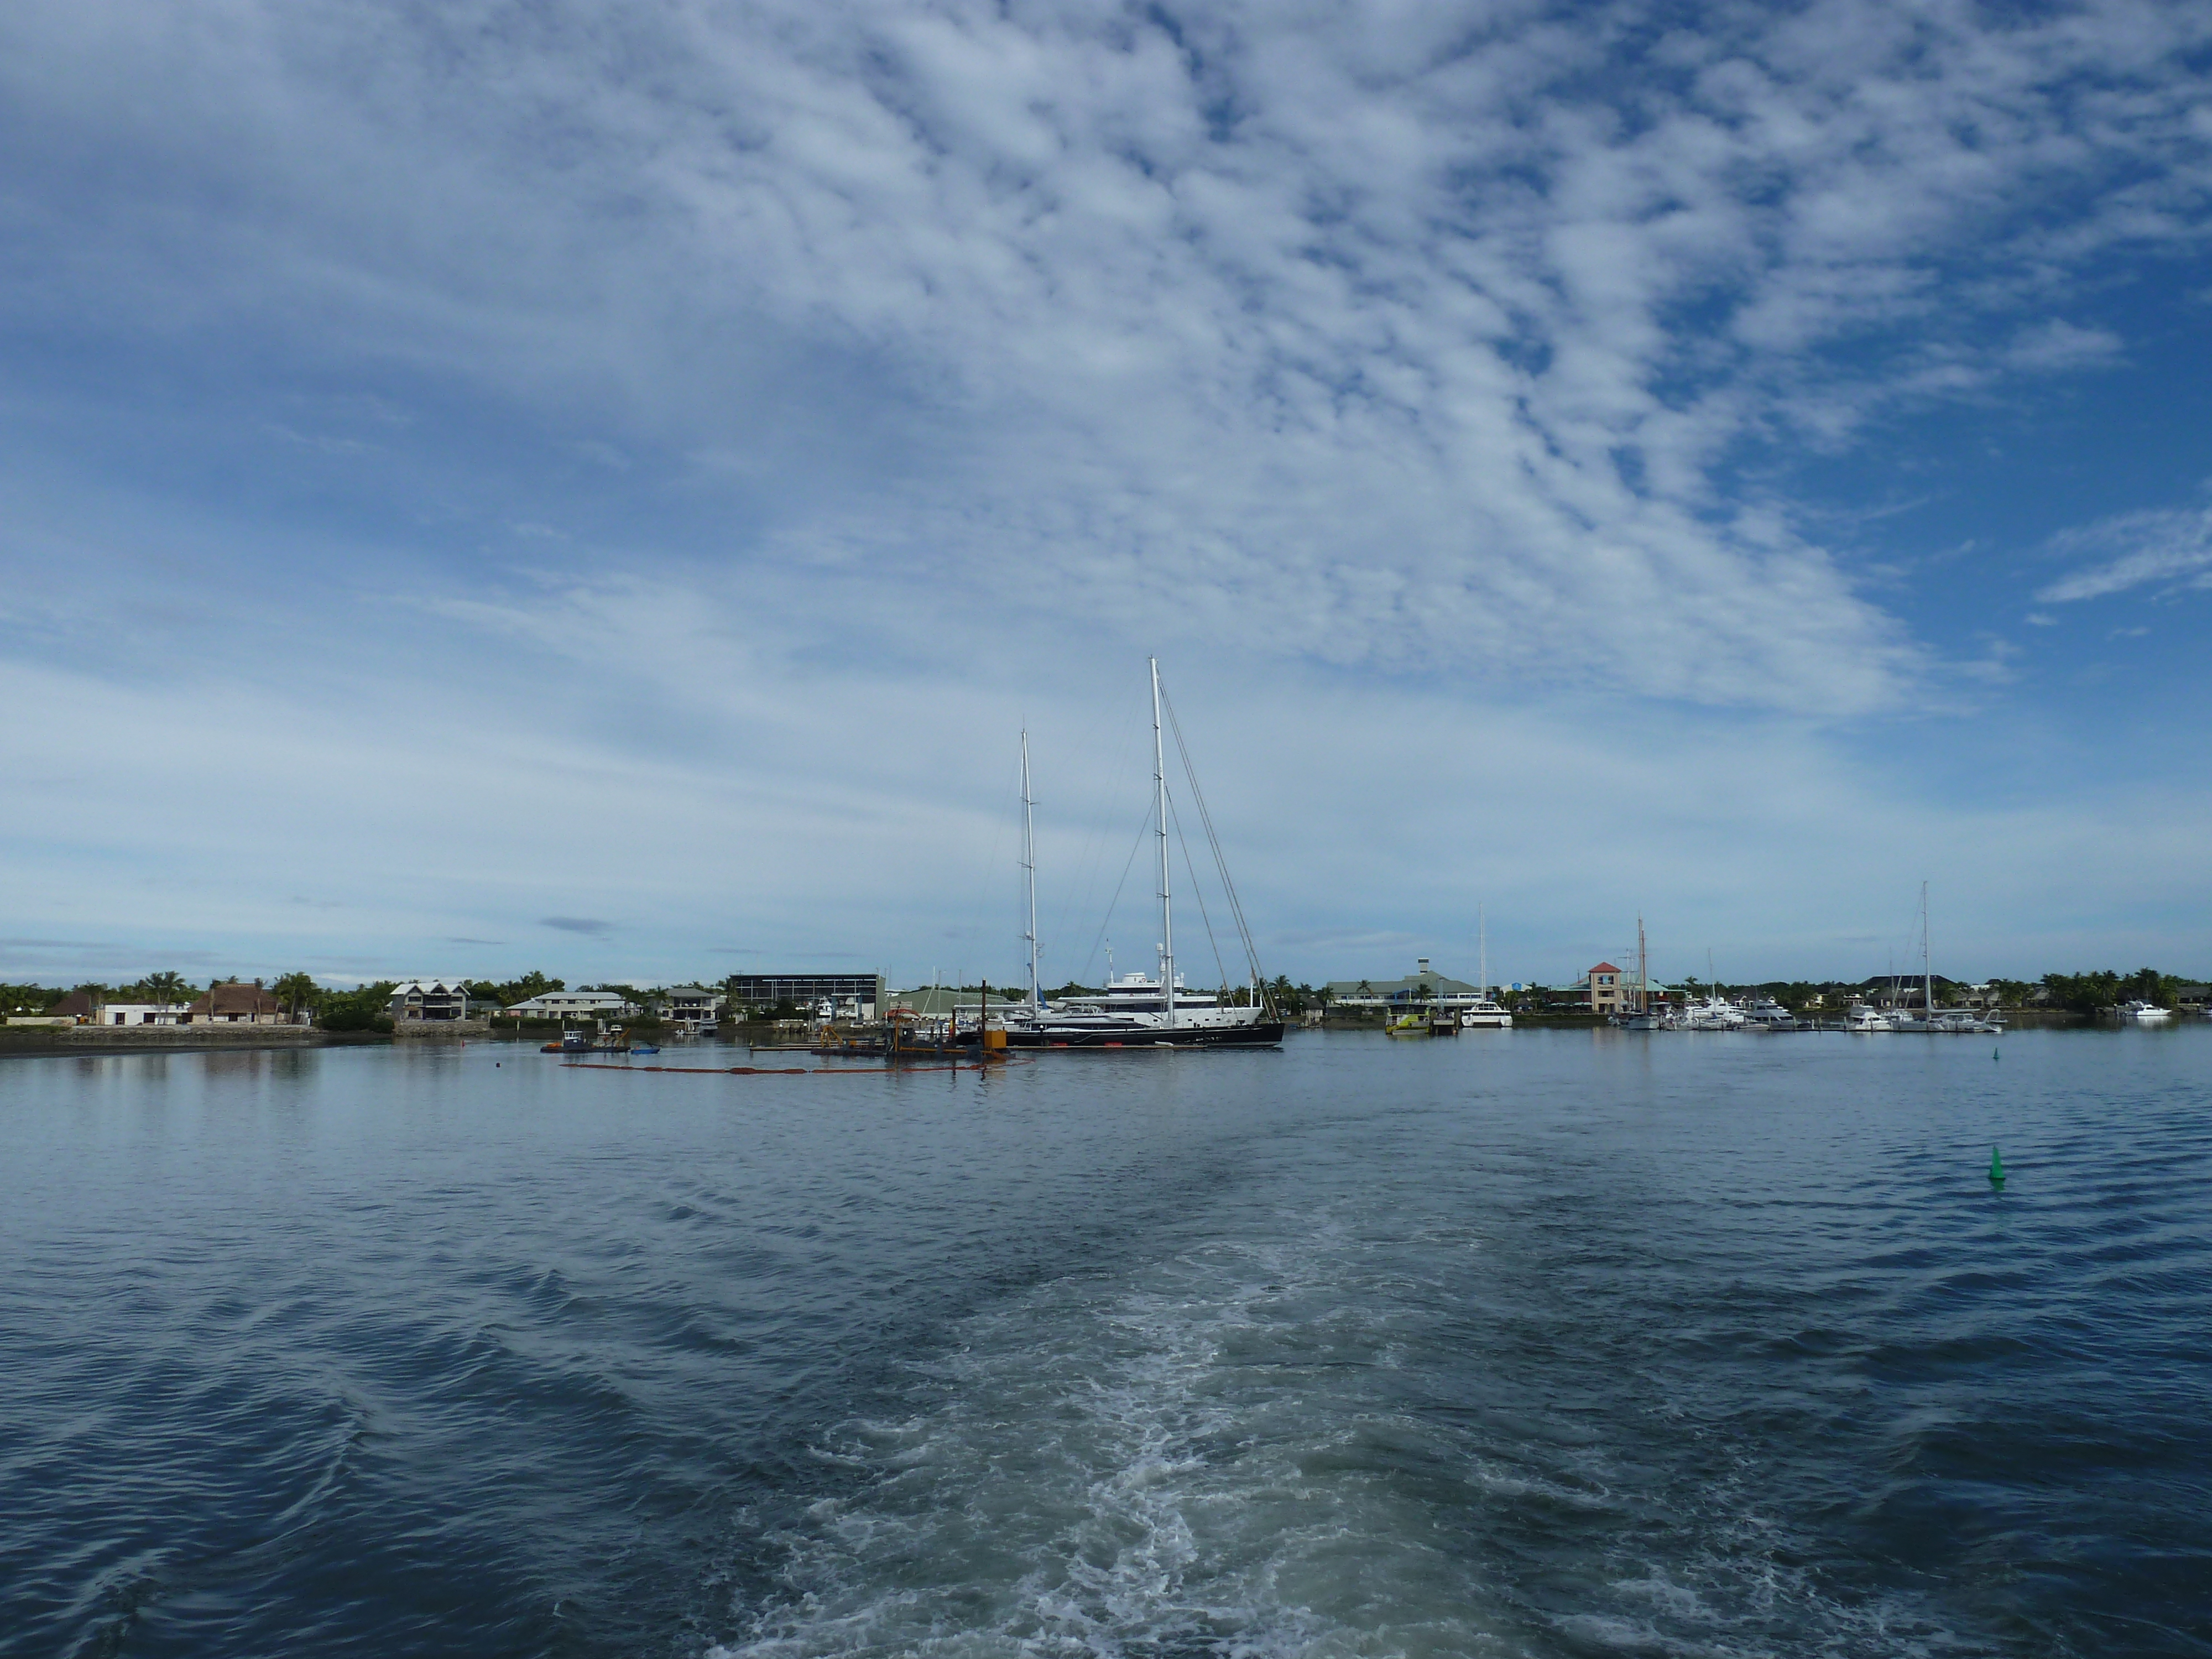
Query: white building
{"points": [[694, 1006], [572, 1005], [139, 1014], [430, 999]]}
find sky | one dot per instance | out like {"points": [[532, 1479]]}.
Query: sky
{"points": [[601, 490]]}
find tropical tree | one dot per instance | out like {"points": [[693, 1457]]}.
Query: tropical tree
{"points": [[167, 986], [295, 990]]}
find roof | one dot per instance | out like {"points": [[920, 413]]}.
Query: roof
{"points": [[75, 1005], [237, 998], [1435, 984], [1605, 967], [431, 987], [935, 1001]]}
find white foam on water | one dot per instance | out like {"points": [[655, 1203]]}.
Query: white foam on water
{"points": [[1207, 1456], [1177, 1465]]}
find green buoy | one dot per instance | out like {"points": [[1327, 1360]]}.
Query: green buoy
{"points": [[1996, 1168]]}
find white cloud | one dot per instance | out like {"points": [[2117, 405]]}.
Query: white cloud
{"points": [[2057, 346], [2140, 548], [1406, 339]]}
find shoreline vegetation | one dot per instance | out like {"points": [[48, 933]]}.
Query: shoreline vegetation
{"points": [[323, 1016], [331, 1016]]}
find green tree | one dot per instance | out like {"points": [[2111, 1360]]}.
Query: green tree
{"points": [[28, 999], [297, 991], [2085, 993], [164, 987], [366, 1008], [532, 984]]}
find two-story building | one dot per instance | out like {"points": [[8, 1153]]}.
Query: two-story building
{"points": [[1604, 993], [571, 1006], [429, 1000], [692, 1007]]}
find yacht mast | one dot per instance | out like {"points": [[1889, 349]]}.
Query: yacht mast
{"points": [[1642, 972], [1927, 978], [1167, 917], [1482, 913], [1029, 863]]}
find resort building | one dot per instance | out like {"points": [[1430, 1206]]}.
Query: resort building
{"points": [[849, 996], [1603, 990], [430, 999], [572, 1005], [139, 1014], [238, 1004], [1423, 985], [692, 1006]]}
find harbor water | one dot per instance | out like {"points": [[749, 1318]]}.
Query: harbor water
{"points": [[1518, 1343]]}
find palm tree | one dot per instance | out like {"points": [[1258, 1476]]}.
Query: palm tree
{"points": [[165, 987], [294, 989]]}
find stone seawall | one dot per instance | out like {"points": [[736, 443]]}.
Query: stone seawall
{"points": [[451, 1031], [141, 1039]]}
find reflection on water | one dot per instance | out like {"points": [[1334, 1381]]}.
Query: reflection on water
{"points": [[1552, 1343]]}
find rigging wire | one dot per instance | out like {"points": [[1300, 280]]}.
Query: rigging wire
{"points": [[1129, 864], [1198, 892], [1206, 819]]}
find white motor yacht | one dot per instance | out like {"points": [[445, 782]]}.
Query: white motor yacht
{"points": [[1131, 1013], [2142, 1013], [1769, 1015], [1863, 1017]]}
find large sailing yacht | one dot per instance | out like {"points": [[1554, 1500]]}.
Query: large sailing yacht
{"points": [[1136, 1011]]}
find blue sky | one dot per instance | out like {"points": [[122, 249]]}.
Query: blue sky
{"points": [[490, 487]]}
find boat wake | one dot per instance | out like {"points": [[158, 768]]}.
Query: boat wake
{"points": [[1243, 1454]]}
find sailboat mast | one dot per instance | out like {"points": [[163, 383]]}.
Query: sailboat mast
{"points": [[1927, 978], [1642, 972], [1482, 915], [1160, 805], [1029, 863]]}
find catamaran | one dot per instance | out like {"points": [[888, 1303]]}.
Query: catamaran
{"points": [[1140, 1011]]}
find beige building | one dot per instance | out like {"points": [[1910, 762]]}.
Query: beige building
{"points": [[1605, 988]]}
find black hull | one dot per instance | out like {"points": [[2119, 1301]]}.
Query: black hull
{"points": [[1264, 1035]]}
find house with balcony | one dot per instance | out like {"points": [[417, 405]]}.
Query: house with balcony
{"points": [[444, 998]]}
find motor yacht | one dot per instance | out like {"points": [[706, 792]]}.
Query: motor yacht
{"points": [[2142, 1013], [1131, 1013]]}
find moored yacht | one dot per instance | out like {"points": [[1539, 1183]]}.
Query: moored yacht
{"points": [[1131, 1013], [2141, 1014], [1141, 1010], [1484, 1009]]}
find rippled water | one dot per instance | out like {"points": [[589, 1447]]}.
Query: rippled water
{"points": [[1525, 1343]]}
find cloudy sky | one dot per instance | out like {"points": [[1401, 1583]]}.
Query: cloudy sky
{"points": [[489, 486]]}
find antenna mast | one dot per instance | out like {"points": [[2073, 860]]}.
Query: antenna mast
{"points": [[1029, 863], [1167, 916]]}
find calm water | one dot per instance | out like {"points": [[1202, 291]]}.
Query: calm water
{"points": [[1525, 1343]]}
